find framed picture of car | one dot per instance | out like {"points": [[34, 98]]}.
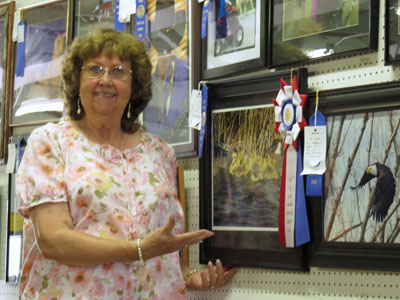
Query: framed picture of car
{"points": [[6, 19], [236, 38], [37, 93], [240, 174], [356, 222], [392, 32], [303, 30], [91, 14]]}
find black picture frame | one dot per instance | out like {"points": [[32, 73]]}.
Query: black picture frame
{"points": [[363, 250], [243, 246], [251, 54], [332, 29], [392, 32]]}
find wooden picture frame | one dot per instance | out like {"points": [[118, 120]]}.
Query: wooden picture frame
{"points": [[244, 47], [309, 30], [351, 226], [246, 231], [6, 21], [37, 95]]}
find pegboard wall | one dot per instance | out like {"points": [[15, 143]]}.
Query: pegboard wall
{"points": [[255, 284]]}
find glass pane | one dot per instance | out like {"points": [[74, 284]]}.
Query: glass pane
{"points": [[38, 93], [91, 14], [167, 113]]}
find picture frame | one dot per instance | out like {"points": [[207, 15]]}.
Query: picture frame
{"points": [[6, 20], [170, 42], [392, 32], [37, 95], [354, 222], [310, 30], [244, 220], [14, 238], [238, 51], [91, 14]]}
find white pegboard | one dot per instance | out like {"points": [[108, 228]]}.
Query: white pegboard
{"points": [[8, 292], [257, 284]]}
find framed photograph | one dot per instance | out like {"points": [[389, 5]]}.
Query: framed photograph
{"points": [[91, 14], [302, 30], [236, 41], [6, 19], [392, 32], [14, 250], [170, 46], [37, 93], [357, 221], [240, 175]]}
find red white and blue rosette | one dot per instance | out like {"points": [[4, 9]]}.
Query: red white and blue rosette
{"points": [[289, 120]]}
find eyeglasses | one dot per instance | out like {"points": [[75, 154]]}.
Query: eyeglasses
{"points": [[116, 73]]}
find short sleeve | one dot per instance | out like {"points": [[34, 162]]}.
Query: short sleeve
{"points": [[40, 177]]}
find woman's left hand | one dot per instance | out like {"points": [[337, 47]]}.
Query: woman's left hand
{"points": [[212, 277]]}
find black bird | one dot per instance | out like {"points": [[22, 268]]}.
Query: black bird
{"points": [[385, 189]]}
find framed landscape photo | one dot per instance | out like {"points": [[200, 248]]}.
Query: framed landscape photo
{"points": [[170, 45], [357, 221], [392, 32], [302, 30], [237, 41], [240, 174], [37, 93], [6, 17]]}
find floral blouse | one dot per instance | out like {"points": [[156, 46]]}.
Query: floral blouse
{"points": [[111, 194]]}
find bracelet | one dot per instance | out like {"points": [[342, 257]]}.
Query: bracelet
{"points": [[188, 275], [139, 249]]}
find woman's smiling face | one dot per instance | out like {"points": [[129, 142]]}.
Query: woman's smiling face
{"points": [[105, 96]]}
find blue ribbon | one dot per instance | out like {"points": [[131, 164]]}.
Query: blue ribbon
{"points": [[204, 18], [314, 182], [117, 24], [222, 9], [20, 67], [140, 20], [204, 98], [301, 229]]}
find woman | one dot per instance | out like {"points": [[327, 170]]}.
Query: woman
{"points": [[98, 192]]}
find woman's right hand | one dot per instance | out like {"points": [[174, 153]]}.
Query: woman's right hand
{"points": [[163, 241]]}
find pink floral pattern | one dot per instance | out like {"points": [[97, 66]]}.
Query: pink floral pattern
{"points": [[111, 194]]}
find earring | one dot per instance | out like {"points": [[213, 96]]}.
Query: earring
{"points": [[128, 114], [78, 111]]}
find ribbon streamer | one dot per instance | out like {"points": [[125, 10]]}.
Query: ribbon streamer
{"points": [[293, 222]]}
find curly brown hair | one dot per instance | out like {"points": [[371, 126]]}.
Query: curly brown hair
{"points": [[112, 42]]}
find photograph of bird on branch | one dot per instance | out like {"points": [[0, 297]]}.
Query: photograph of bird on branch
{"points": [[360, 196]]}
